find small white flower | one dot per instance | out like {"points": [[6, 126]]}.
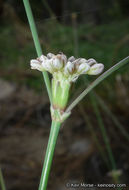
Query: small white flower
{"points": [[66, 69], [57, 64], [82, 60], [50, 55], [47, 64], [36, 65], [69, 68], [96, 69], [62, 58], [71, 59], [42, 58], [83, 68], [91, 61]]}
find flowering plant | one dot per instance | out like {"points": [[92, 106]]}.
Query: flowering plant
{"points": [[64, 71]]}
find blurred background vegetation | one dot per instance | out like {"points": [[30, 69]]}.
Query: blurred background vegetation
{"points": [[96, 29]]}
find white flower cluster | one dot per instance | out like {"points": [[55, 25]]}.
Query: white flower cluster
{"points": [[70, 68]]}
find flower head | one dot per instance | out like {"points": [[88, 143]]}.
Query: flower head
{"points": [[68, 69]]}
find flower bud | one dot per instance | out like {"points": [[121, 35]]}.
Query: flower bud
{"points": [[62, 58], [57, 64], [42, 58], [50, 55], [78, 62], [48, 65], [96, 69], [71, 59], [69, 68], [91, 61], [36, 65], [83, 68]]}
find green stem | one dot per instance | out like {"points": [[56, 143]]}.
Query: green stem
{"points": [[2, 184], [106, 139], [94, 135], [49, 154], [103, 130], [36, 42]]}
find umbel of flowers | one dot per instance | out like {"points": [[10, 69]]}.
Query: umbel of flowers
{"points": [[64, 71]]}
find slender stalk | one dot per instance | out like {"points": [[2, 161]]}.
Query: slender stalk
{"points": [[106, 140], [49, 154], [104, 133], [96, 82], [93, 133], [113, 117], [2, 183], [36, 42]]}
